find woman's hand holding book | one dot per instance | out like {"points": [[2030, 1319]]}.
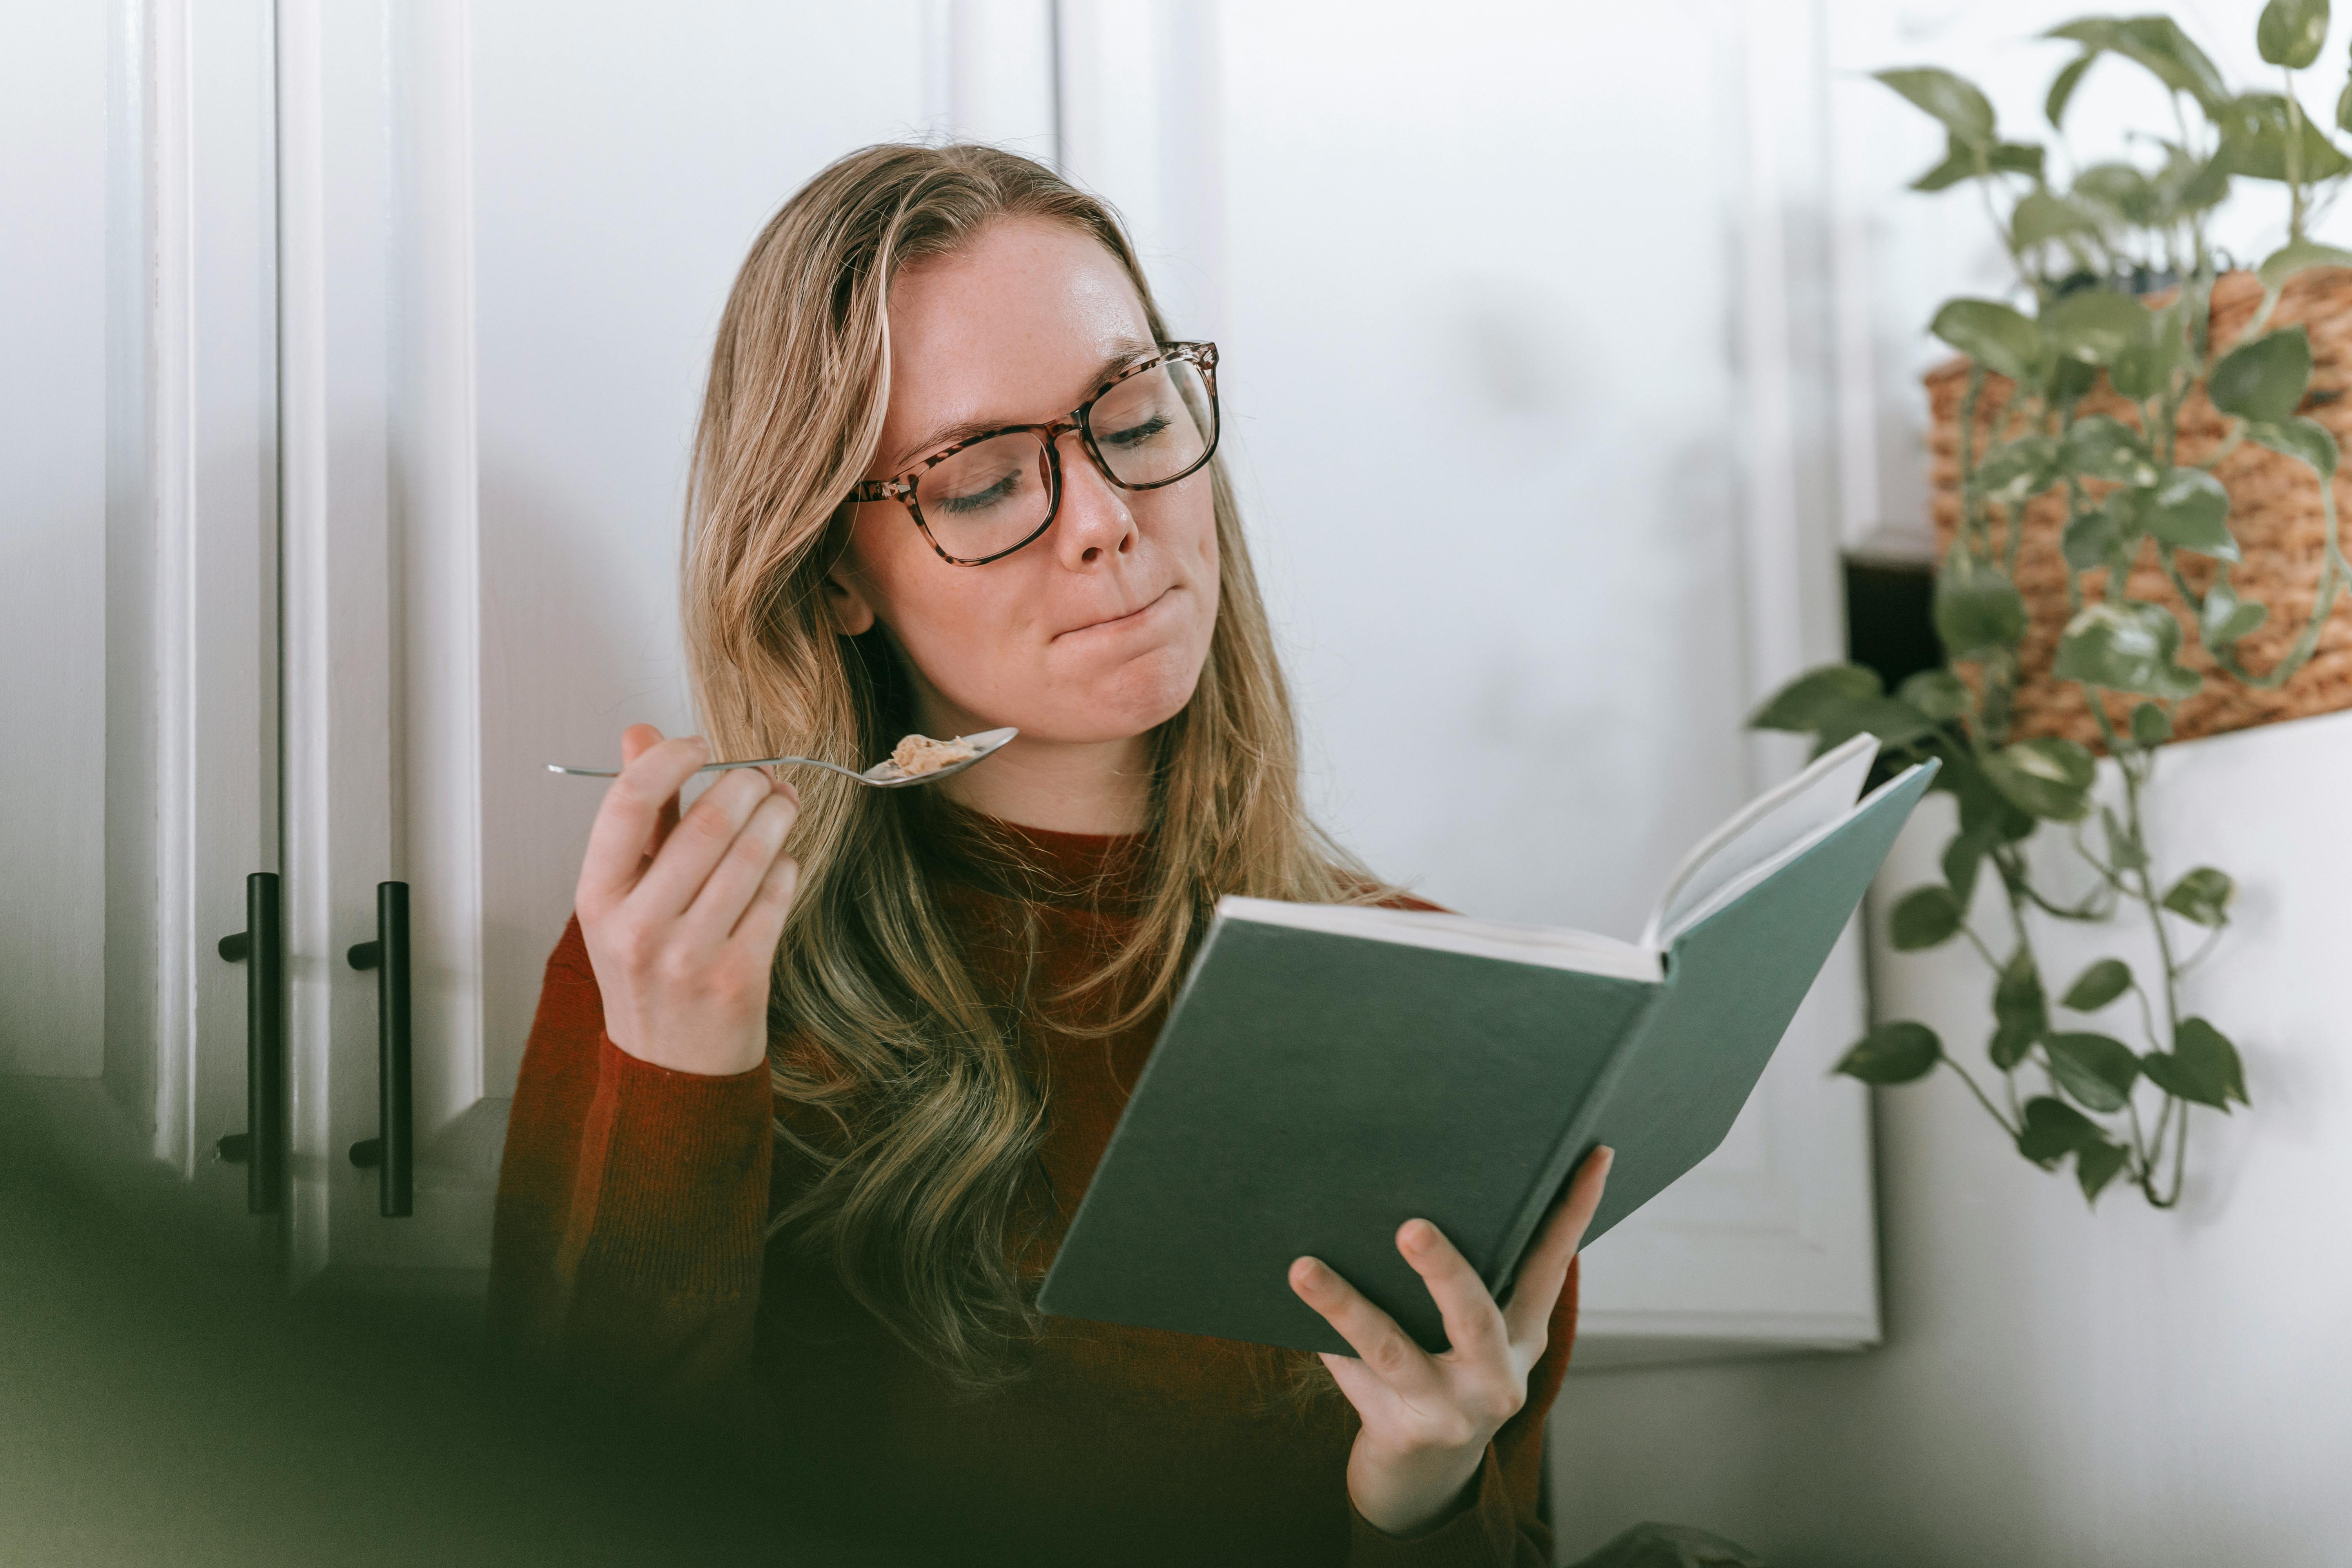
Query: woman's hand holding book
{"points": [[1427, 1419]]}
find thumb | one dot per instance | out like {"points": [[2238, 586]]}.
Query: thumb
{"points": [[636, 740]]}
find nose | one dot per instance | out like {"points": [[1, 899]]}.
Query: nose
{"points": [[1095, 522]]}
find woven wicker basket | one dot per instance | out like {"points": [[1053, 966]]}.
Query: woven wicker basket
{"points": [[2273, 511]]}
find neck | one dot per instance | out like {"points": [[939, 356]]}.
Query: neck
{"points": [[1062, 786]]}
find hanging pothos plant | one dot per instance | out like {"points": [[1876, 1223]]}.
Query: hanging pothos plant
{"points": [[2107, 1070]]}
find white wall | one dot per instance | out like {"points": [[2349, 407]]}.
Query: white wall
{"points": [[2057, 1386], [2062, 1385]]}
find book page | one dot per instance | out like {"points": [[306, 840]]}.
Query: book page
{"points": [[1573, 950], [1730, 891], [1760, 830]]}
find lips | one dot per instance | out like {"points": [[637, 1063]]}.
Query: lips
{"points": [[1113, 622]]}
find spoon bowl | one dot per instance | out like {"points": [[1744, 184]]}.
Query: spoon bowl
{"points": [[884, 774]]}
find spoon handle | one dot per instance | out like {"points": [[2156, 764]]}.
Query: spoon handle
{"points": [[714, 767]]}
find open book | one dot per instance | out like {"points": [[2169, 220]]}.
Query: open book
{"points": [[1328, 1072]]}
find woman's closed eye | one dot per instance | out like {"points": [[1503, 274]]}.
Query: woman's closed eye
{"points": [[1137, 434], [983, 499]]}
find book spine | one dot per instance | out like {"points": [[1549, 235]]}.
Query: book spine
{"points": [[1570, 1148]]}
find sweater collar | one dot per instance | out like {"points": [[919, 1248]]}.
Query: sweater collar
{"points": [[1102, 869]]}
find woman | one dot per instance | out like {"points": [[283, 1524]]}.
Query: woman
{"points": [[797, 1133]]}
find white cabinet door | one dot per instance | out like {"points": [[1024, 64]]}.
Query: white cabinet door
{"points": [[138, 593], [510, 228]]}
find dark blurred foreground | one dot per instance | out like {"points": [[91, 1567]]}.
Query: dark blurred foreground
{"points": [[156, 1407]]}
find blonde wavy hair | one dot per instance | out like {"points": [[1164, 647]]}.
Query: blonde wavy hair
{"points": [[878, 1025]]}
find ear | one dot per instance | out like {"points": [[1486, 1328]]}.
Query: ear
{"points": [[845, 596]]}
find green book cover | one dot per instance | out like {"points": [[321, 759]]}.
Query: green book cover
{"points": [[1328, 1073]]}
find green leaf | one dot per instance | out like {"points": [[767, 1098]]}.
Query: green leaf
{"points": [[2010, 1044], [1892, 1053], [1977, 606], [2019, 469], [2150, 726], [2055, 1130], [2123, 851], [1924, 918], [2144, 369], [1990, 333], [2099, 1070], [2291, 32], [2224, 618], [2191, 510], [2119, 188], [2096, 1164], [2098, 985], [2101, 447], [1959, 163], [2047, 776], [2344, 108], [1984, 810], [2296, 257], [2018, 1002], [1894, 722], [2254, 137], [1965, 111], [2125, 646], [2091, 535], [1801, 705], [2017, 158], [2061, 88], [2206, 1052], [2094, 325], [1962, 856], [2304, 439], [2209, 187], [2040, 217], [2156, 44], [1937, 693], [2183, 1082], [2203, 896], [2263, 380]]}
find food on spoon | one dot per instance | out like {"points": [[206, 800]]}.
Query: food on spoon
{"points": [[918, 754]]}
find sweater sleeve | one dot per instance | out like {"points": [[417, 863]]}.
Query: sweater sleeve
{"points": [[626, 1245], [1498, 1526]]}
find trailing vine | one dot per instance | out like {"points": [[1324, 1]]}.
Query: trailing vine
{"points": [[2115, 274]]}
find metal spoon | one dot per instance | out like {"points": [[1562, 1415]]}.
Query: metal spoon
{"points": [[884, 774]]}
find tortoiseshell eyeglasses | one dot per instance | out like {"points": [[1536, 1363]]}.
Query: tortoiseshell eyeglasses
{"points": [[980, 499]]}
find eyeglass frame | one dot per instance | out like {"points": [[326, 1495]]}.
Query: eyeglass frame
{"points": [[1201, 356]]}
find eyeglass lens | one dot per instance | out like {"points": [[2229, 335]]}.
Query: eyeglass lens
{"points": [[993, 494]]}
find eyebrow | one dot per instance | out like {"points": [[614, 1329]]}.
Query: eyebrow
{"points": [[1125, 350]]}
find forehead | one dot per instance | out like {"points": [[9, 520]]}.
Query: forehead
{"points": [[1013, 328]]}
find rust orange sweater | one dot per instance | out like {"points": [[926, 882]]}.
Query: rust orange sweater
{"points": [[629, 1252]]}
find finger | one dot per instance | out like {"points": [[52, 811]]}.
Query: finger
{"points": [[712, 915], [631, 814], [1385, 1350], [1541, 1277], [696, 845], [636, 739], [1472, 1321], [762, 925]]}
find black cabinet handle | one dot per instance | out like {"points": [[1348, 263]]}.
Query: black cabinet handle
{"points": [[261, 1147], [391, 1152]]}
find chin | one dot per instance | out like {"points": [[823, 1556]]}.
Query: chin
{"points": [[1133, 700]]}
